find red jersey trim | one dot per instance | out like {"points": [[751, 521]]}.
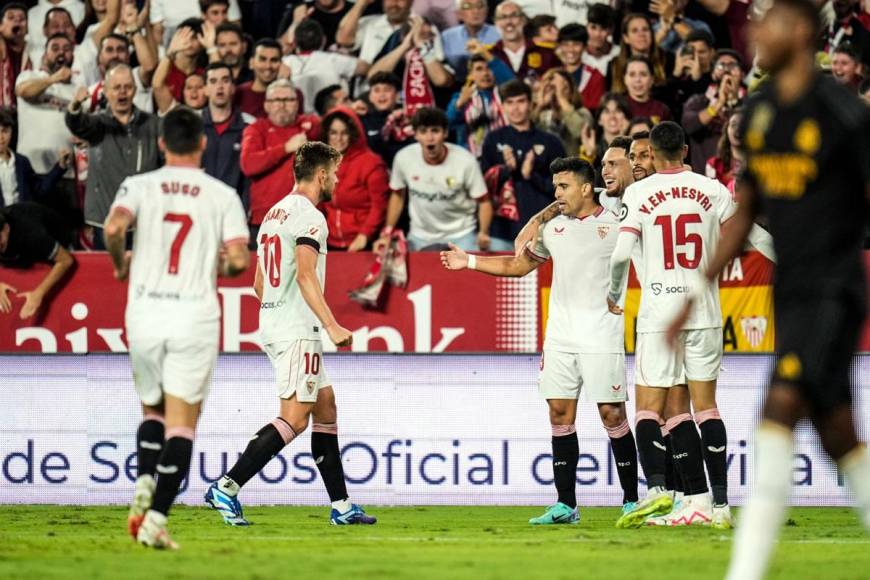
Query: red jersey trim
{"points": [[630, 230]]}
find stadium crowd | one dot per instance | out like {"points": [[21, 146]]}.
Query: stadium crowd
{"points": [[456, 107]]}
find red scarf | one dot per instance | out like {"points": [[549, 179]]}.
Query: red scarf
{"points": [[501, 190], [7, 82], [481, 117], [418, 94], [390, 266]]}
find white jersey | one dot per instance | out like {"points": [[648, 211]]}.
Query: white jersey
{"points": [[182, 217], [615, 205], [284, 314], [442, 199], [578, 319], [677, 215]]}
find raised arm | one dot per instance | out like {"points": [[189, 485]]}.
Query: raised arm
{"points": [[346, 33]]}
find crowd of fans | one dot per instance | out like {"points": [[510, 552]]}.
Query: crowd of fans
{"points": [[448, 112]]}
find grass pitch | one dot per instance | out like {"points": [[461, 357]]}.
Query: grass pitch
{"points": [[419, 543]]}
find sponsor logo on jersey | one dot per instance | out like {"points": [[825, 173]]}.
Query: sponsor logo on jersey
{"points": [[603, 231], [658, 288], [538, 149], [754, 329], [451, 182]]}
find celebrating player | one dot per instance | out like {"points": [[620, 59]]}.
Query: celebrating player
{"points": [[677, 216], [807, 142], [184, 221], [583, 349], [291, 266]]}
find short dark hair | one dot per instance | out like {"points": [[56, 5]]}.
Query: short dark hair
{"points": [[429, 117], [729, 52], [268, 43], [573, 32], [701, 35], [602, 15], [230, 27], [324, 99], [807, 10], [621, 142], [13, 6], [206, 4], [385, 78], [114, 36], [309, 35], [311, 157], [52, 11], [639, 121], [182, 131], [218, 66], [575, 165], [57, 35], [514, 88], [477, 58], [668, 138], [538, 22], [617, 98], [643, 59], [640, 136], [849, 50], [194, 24], [7, 118]]}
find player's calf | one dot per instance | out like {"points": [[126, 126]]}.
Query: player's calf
{"points": [[715, 444], [172, 467], [625, 455], [687, 453]]}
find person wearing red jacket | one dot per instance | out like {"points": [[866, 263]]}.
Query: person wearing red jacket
{"points": [[358, 206], [269, 147]]}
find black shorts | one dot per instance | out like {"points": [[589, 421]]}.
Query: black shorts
{"points": [[815, 342]]}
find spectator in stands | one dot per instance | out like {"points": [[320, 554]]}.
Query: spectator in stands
{"points": [[184, 54], [382, 102], [725, 164], [269, 147], [441, 13], [266, 63], [122, 142], [527, 60], [231, 50], [216, 12], [13, 33], [329, 98], [370, 33], [849, 25], [735, 14], [193, 85], [543, 31], [640, 156], [42, 22], [673, 27], [589, 83], [846, 66], [693, 65], [612, 121], [416, 47], [472, 13], [224, 126], [167, 16], [705, 115], [525, 152], [475, 110], [31, 233], [18, 180], [358, 206], [637, 40], [327, 13], [558, 108], [599, 26], [639, 125], [639, 85], [448, 201], [313, 69], [115, 49]]}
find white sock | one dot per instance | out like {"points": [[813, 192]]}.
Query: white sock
{"points": [[855, 465], [761, 518], [342, 505], [228, 486]]}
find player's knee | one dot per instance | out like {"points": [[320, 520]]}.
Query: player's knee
{"points": [[612, 415]]}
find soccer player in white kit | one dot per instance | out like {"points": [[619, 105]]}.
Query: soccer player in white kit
{"points": [[189, 228], [291, 268], [677, 216], [584, 349]]}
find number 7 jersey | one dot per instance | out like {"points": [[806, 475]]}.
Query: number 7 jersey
{"points": [[182, 218], [677, 215], [292, 222]]}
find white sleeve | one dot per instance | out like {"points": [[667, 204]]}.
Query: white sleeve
{"points": [[235, 222], [620, 261], [476, 185], [128, 199], [629, 218], [234, 14], [725, 206], [157, 15], [397, 176], [369, 48], [344, 65], [310, 229], [760, 239], [537, 250]]}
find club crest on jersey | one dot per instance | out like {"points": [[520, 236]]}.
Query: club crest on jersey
{"points": [[623, 213], [754, 329], [309, 385], [451, 182], [603, 231], [538, 149]]}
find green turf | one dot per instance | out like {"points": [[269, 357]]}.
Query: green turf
{"points": [[418, 543]]}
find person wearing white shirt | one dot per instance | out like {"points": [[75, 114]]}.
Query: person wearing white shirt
{"points": [[369, 34], [167, 15], [36, 21], [18, 181], [600, 20]]}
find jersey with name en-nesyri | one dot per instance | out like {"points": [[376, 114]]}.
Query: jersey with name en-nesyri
{"points": [[578, 320], [677, 214], [292, 222], [182, 219]]}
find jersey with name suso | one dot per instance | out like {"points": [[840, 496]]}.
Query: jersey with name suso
{"points": [[182, 218], [678, 215], [284, 314], [442, 199], [578, 320], [809, 164]]}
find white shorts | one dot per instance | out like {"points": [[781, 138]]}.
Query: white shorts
{"points": [[697, 358], [599, 378], [298, 368], [180, 367]]}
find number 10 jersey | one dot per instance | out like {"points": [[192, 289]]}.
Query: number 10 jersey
{"points": [[292, 222], [677, 215]]}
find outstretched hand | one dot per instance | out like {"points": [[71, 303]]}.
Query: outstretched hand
{"points": [[454, 259]]}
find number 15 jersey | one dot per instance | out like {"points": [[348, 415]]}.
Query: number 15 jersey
{"points": [[292, 222], [677, 215]]}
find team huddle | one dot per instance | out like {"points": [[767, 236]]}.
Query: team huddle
{"points": [[653, 213]]}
